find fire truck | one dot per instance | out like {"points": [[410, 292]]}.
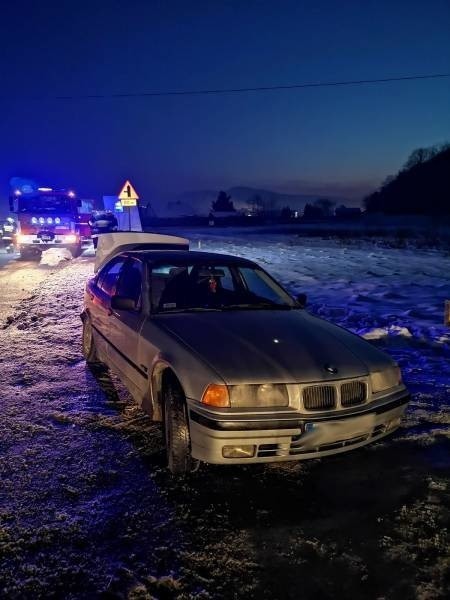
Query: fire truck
{"points": [[49, 218]]}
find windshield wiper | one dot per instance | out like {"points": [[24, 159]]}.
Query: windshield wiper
{"points": [[225, 307], [258, 306], [187, 310]]}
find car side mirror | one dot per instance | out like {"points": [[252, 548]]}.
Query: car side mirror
{"points": [[123, 303], [302, 300]]}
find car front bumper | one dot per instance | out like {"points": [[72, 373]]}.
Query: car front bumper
{"points": [[290, 435]]}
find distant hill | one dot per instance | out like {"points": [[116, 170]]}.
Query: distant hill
{"points": [[199, 202], [422, 187]]}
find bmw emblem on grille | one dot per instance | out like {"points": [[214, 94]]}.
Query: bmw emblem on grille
{"points": [[331, 369]]}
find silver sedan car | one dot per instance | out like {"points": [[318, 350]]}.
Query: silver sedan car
{"points": [[237, 369]]}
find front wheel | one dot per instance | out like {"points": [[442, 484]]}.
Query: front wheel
{"points": [[76, 250], [26, 254], [178, 441]]}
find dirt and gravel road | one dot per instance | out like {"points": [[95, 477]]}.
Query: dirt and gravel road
{"points": [[87, 509]]}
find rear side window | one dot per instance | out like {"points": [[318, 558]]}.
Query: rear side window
{"points": [[130, 281], [107, 280]]}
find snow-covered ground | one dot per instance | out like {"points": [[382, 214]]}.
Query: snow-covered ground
{"points": [[87, 509]]}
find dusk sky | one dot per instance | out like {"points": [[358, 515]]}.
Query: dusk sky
{"points": [[337, 140]]}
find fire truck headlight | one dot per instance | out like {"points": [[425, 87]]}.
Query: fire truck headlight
{"points": [[49, 220], [41, 220], [34, 220], [57, 220], [71, 238]]}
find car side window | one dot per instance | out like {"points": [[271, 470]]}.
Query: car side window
{"points": [[130, 281], [108, 276], [226, 281], [167, 281], [260, 284]]}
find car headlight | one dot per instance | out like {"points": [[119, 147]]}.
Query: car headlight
{"points": [[70, 238], [264, 395], [246, 396], [386, 379]]}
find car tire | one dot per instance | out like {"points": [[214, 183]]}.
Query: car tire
{"points": [[176, 427], [25, 255], [76, 250], [88, 343]]}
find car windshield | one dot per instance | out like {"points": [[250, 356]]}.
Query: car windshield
{"points": [[45, 203], [189, 287]]}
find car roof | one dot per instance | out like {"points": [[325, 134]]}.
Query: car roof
{"points": [[190, 256]]}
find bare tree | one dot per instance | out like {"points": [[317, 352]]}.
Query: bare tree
{"points": [[325, 205], [223, 203], [257, 204], [421, 155]]}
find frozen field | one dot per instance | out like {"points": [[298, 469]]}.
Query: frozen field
{"points": [[88, 511]]}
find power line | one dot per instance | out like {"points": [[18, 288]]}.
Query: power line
{"points": [[269, 88]]}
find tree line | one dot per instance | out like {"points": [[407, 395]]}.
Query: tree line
{"points": [[322, 207], [421, 187]]}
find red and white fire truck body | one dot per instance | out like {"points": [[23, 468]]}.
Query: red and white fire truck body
{"points": [[48, 218]]}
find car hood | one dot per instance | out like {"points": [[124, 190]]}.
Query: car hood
{"points": [[281, 346]]}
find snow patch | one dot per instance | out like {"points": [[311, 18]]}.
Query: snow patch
{"points": [[83, 483], [53, 256], [383, 332]]}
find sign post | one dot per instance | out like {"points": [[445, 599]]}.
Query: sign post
{"points": [[128, 198]]}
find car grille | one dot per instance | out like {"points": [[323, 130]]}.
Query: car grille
{"points": [[319, 397], [353, 393], [334, 396]]}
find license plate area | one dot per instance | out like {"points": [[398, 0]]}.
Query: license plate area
{"points": [[326, 435]]}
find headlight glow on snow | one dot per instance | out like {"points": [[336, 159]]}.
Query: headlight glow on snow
{"points": [[266, 394], [385, 380]]}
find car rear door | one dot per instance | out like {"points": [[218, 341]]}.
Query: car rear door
{"points": [[100, 293], [125, 327]]}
